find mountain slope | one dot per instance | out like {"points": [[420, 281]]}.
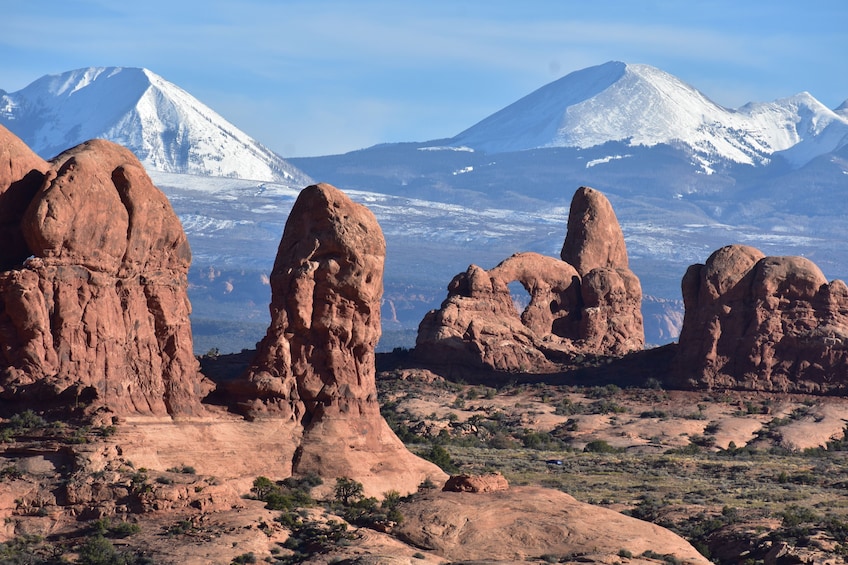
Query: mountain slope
{"points": [[167, 128], [645, 106]]}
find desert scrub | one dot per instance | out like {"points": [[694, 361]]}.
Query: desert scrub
{"points": [[27, 420], [98, 550], [567, 407], [440, 456], [607, 391], [10, 473], [311, 537], [185, 469], [106, 528], [368, 512], [29, 549], [288, 494], [601, 446]]}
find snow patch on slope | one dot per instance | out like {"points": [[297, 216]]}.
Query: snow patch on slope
{"points": [[607, 159]]}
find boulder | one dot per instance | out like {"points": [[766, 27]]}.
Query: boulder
{"points": [[589, 307], [762, 323], [492, 482], [94, 309], [315, 364]]}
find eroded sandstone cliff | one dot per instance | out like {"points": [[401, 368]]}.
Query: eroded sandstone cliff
{"points": [[763, 323], [93, 303]]}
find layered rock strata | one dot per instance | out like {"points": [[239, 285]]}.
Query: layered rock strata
{"points": [[762, 323], [93, 303], [587, 303], [315, 364]]}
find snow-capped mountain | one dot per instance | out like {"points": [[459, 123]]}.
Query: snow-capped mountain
{"points": [[644, 106], [167, 128]]}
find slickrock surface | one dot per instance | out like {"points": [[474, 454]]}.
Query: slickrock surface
{"points": [[591, 306], [763, 323], [316, 362], [527, 522], [98, 313]]}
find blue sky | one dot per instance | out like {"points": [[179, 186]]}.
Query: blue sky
{"points": [[319, 77]]}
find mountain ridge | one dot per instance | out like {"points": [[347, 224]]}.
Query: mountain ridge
{"points": [[643, 105], [165, 126]]}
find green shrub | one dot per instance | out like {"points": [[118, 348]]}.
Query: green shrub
{"points": [[313, 537], [606, 406], [440, 456], [566, 407], [540, 440], [648, 509], [289, 495], [186, 469], [27, 420], [600, 446], [98, 550], [10, 472], [306, 482], [348, 491], [104, 527], [794, 515]]}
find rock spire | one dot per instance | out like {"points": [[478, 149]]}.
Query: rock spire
{"points": [[315, 364]]}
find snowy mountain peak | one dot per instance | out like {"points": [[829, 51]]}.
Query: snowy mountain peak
{"points": [[642, 105], [167, 128]]}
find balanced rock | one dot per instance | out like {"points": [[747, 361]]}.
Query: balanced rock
{"points": [[94, 307], [590, 307], [315, 364], [763, 323]]}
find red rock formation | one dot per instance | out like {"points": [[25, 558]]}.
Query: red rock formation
{"points": [[326, 286], [492, 482], [763, 323], [316, 362], [590, 308], [99, 311], [21, 175], [594, 238]]}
